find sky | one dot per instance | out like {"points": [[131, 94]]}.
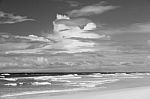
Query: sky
{"points": [[74, 35]]}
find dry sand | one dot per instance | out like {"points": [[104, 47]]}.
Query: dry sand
{"points": [[129, 93]]}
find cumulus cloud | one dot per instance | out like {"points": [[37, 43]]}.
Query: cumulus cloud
{"points": [[59, 17], [80, 22], [90, 26], [68, 34], [67, 21], [70, 29], [90, 10], [8, 18], [77, 28]]}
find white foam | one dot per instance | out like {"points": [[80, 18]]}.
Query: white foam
{"points": [[147, 74], [54, 78], [9, 79], [5, 74], [62, 78], [11, 84], [58, 80], [122, 75], [96, 75], [41, 83], [89, 84], [70, 76]]}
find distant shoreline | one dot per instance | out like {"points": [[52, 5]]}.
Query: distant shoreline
{"points": [[71, 72]]}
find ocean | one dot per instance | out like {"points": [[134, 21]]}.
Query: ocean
{"points": [[18, 84]]}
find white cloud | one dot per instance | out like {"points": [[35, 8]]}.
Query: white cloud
{"points": [[90, 26], [34, 38], [90, 10], [72, 22], [69, 33], [74, 31], [58, 17], [64, 30], [68, 38], [8, 18]]}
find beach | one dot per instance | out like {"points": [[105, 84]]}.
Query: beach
{"points": [[129, 93], [135, 88]]}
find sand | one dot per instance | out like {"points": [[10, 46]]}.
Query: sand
{"points": [[129, 93]]}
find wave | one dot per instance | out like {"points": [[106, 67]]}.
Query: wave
{"points": [[86, 80], [11, 84], [90, 84], [129, 75], [41, 83], [70, 76], [9, 79], [5, 74]]}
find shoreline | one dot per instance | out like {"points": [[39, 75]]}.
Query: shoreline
{"points": [[124, 93], [136, 86], [127, 93]]}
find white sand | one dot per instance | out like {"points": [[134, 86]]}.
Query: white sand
{"points": [[128, 93]]}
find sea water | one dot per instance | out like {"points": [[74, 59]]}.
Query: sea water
{"points": [[17, 84]]}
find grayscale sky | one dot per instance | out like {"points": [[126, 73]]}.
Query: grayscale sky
{"points": [[31, 42]]}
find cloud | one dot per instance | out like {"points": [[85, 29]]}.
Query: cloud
{"points": [[140, 27], [34, 38], [73, 3], [74, 22], [131, 28], [68, 37], [13, 46], [90, 10], [74, 28], [70, 2], [90, 26], [8, 18]]}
